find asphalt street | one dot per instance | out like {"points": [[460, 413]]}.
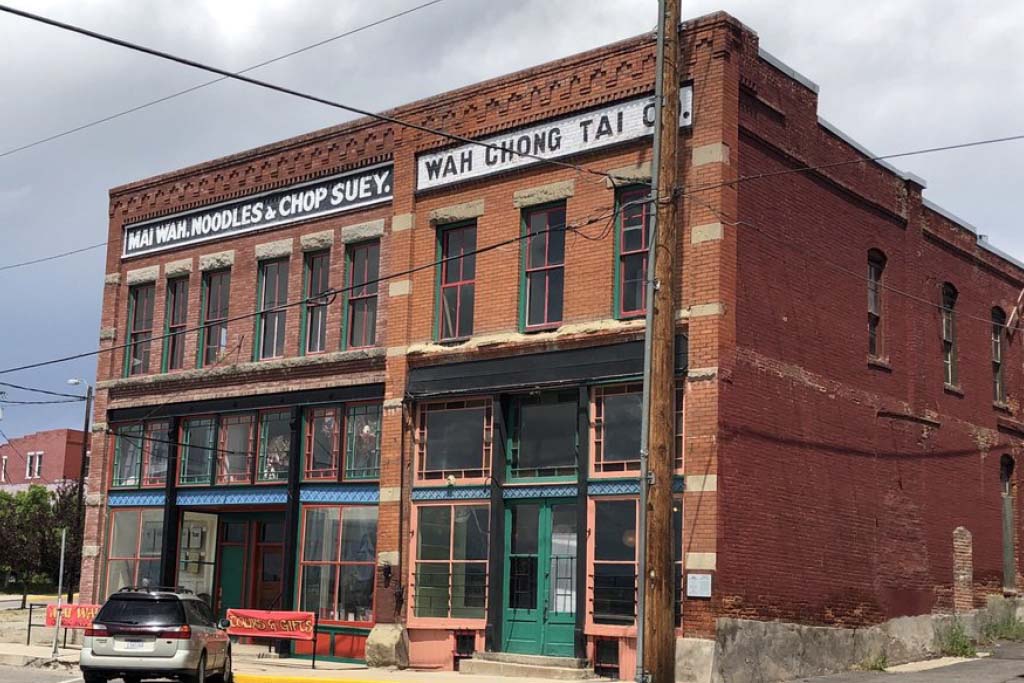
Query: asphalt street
{"points": [[1005, 665]]}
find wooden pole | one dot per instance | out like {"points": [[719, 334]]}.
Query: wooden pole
{"points": [[659, 618]]}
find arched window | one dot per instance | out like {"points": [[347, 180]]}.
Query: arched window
{"points": [[998, 384], [876, 266], [949, 354]]}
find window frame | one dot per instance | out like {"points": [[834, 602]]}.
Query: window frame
{"points": [[262, 446], [347, 439], [309, 416], [337, 563], [591, 626], [526, 270], [175, 330], [182, 445], [876, 305], [444, 233], [115, 460], [998, 351], [315, 305], [208, 324], [950, 353], [272, 314], [137, 558], [222, 474], [514, 440], [150, 427], [365, 291], [622, 197], [420, 439], [140, 338], [447, 622], [616, 468]]}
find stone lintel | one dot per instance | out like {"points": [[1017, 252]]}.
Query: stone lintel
{"points": [[315, 241], [457, 212], [275, 249], [142, 276], [629, 175], [362, 231], [222, 259], [112, 279], [543, 194], [179, 267]]}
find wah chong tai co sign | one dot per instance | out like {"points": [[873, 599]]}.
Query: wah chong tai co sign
{"points": [[352, 190], [591, 130]]}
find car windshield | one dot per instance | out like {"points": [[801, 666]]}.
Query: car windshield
{"points": [[158, 612]]}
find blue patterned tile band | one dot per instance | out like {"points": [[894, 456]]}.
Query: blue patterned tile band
{"points": [[340, 493], [452, 493], [248, 495], [556, 491], [135, 499]]}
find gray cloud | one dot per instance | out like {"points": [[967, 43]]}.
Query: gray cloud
{"points": [[895, 75]]}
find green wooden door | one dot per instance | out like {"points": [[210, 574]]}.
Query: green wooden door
{"points": [[232, 565], [540, 578]]}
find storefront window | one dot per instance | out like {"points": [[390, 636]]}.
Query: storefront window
{"points": [[362, 442], [275, 443], [616, 425], [339, 556], [127, 456], [197, 553], [235, 454], [545, 436], [454, 439], [157, 449], [135, 537], [197, 451], [614, 596], [322, 443], [451, 561]]}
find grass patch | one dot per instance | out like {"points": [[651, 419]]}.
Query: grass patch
{"points": [[877, 663], [1008, 627], [953, 641]]}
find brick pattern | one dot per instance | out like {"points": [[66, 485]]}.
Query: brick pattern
{"points": [[963, 570], [62, 458]]}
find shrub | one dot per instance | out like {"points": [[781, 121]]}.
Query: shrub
{"points": [[877, 663], [953, 641], [1007, 627]]}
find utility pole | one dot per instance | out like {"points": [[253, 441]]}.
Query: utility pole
{"points": [[656, 622], [82, 472]]}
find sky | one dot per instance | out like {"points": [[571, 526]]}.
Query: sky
{"points": [[895, 75]]}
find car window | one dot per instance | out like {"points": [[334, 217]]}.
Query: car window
{"points": [[207, 613], [196, 614], [148, 612]]}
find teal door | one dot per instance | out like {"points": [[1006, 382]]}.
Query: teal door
{"points": [[540, 578], [233, 541]]}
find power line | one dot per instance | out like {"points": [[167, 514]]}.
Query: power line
{"points": [[23, 459], [40, 403], [294, 93], [324, 297], [41, 391], [194, 88], [53, 257]]}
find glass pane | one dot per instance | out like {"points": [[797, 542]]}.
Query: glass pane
{"points": [[615, 530], [359, 534], [677, 531], [431, 591], [120, 573], [555, 295], [362, 442], [466, 305], [129, 456], [318, 590], [152, 533], [547, 434], [562, 579], [149, 571], [536, 252], [159, 448], [556, 236], [449, 312], [321, 535], [469, 590], [234, 460], [355, 592], [324, 430], [434, 530], [522, 582], [272, 532], [614, 593], [275, 442], [455, 439], [124, 534], [197, 451], [234, 532], [621, 427], [536, 284], [633, 282], [525, 519], [472, 525]]}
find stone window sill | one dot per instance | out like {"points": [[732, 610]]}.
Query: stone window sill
{"points": [[879, 363], [953, 389], [1002, 407]]}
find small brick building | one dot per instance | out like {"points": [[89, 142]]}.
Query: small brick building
{"points": [[47, 459], [450, 454]]}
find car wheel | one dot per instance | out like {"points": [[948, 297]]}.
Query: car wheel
{"points": [[200, 675], [94, 678], [132, 679], [226, 675]]}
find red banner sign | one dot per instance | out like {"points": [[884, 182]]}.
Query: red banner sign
{"points": [[270, 624], [72, 616]]}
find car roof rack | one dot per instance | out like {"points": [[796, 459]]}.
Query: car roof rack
{"points": [[155, 589]]}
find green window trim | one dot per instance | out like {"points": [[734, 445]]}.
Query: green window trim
{"points": [[512, 442], [523, 246], [617, 313], [204, 293], [439, 234], [307, 261], [128, 328]]}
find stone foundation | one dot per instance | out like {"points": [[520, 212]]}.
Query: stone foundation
{"points": [[388, 645]]}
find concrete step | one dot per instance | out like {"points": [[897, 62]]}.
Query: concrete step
{"points": [[534, 660], [490, 667]]}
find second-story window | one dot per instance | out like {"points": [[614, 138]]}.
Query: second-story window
{"points": [[949, 352], [216, 292], [140, 331], [634, 223], [317, 268], [615, 424], [544, 272], [273, 294], [458, 281], [454, 439], [998, 383], [177, 321], [363, 272], [876, 265]]}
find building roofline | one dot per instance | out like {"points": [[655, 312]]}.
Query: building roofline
{"points": [[788, 70], [905, 175], [981, 240]]}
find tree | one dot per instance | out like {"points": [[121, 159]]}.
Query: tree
{"points": [[26, 533], [65, 516]]}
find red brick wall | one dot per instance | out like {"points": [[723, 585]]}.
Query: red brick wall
{"points": [[62, 456]]}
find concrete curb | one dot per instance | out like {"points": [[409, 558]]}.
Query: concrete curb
{"points": [[275, 677], [20, 661]]}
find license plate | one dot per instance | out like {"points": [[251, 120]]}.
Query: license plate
{"points": [[134, 644]]}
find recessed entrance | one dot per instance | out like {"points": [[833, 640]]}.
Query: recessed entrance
{"points": [[540, 578]]}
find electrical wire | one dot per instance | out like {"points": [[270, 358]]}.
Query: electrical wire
{"points": [[53, 257], [200, 86], [40, 403], [42, 391], [317, 298], [23, 460], [294, 93]]}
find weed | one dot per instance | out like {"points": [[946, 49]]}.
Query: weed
{"points": [[877, 663], [953, 641], [1007, 627]]}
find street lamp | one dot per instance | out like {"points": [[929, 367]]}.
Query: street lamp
{"points": [[80, 498]]}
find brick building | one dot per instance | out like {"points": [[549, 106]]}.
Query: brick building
{"points": [[450, 455], [43, 458]]}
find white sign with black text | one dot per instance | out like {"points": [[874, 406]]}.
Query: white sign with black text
{"points": [[351, 190], [594, 129]]}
